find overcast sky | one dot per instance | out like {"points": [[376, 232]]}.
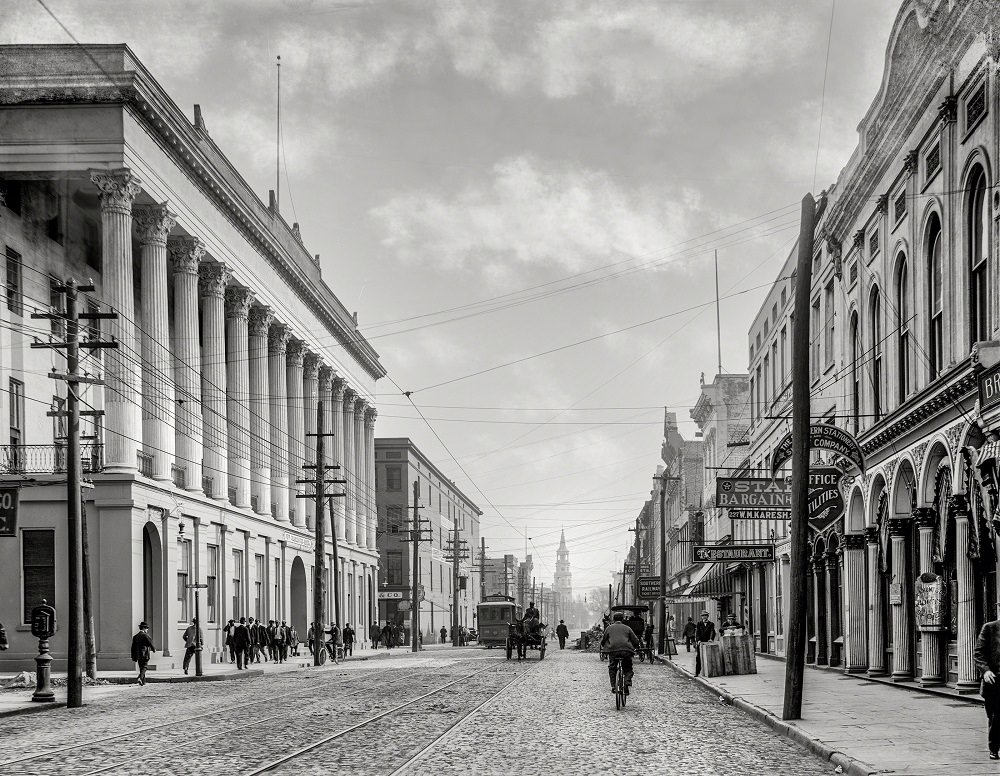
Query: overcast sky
{"points": [[574, 163]]}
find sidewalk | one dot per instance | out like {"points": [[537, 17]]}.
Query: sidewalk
{"points": [[867, 727]]}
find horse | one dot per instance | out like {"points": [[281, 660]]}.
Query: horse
{"points": [[524, 632]]}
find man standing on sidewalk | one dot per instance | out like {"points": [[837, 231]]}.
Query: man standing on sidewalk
{"points": [[704, 633], [192, 642], [690, 631], [987, 657]]}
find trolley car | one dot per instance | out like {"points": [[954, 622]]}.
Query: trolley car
{"points": [[493, 616]]}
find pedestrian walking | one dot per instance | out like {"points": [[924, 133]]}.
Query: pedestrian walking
{"points": [[647, 637], [293, 640], [142, 646], [262, 644], [562, 632], [284, 636], [987, 657], [192, 642], [241, 643], [228, 644], [376, 635], [689, 633], [387, 636], [444, 634], [704, 634], [348, 635]]}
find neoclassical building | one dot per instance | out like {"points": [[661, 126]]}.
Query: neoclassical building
{"points": [[228, 339]]}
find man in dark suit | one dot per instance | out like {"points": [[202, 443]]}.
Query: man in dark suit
{"points": [[704, 633], [142, 646], [241, 643], [987, 657]]}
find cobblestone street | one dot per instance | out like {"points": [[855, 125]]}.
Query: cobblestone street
{"points": [[437, 713]]}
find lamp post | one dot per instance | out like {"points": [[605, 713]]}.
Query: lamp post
{"points": [[198, 670]]}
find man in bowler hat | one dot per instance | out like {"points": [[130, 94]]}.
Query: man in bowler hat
{"points": [[142, 646], [704, 633], [987, 657]]}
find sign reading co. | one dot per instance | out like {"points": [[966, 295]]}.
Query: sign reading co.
{"points": [[989, 388], [733, 553], [8, 511], [647, 588], [822, 436]]}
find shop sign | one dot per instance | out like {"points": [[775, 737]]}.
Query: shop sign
{"points": [[647, 588], [8, 511], [822, 436], [930, 599], [753, 493], [392, 595], [733, 553], [896, 593], [989, 388], [683, 599], [760, 514], [826, 504], [644, 568]]}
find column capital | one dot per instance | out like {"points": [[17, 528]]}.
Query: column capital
{"points": [[854, 541], [310, 365], [213, 279], [871, 534], [238, 302], [360, 405], [153, 222], [260, 318], [925, 517], [898, 526], [277, 339], [185, 254], [958, 506], [295, 351], [370, 415], [325, 378], [349, 394], [339, 388], [118, 188]]}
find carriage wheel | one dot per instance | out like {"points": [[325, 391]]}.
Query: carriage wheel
{"points": [[510, 649]]}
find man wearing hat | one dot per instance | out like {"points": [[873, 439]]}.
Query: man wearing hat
{"points": [[704, 633], [563, 633], [142, 646], [193, 641], [241, 643]]}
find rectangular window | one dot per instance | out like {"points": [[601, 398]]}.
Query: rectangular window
{"points": [[779, 625], [975, 107], [774, 313], [753, 404], [852, 273], [57, 303], [766, 390], [828, 338], [394, 518], [873, 244], [237, 583], [815, 344], [277, 588], [775, 378], [899, 208], [15, 288], [16, 412], [393, 478], [38, 569], [258, 587], [784, 351], [784, 298], [212, 579], [183, 578], [932, 162], [394, 568]]}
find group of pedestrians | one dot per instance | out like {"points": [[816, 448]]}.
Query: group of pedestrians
{"points": [[250, 641]]}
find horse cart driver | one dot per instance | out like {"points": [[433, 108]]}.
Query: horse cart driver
{"points": [[533, 619]]}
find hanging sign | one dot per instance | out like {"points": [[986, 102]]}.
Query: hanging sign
{"points": [[8, 511], [733, 553], [989, 388], [644, 568], [826, 504], [760, 514], [822, 436], [753, 493], [647, 588]]}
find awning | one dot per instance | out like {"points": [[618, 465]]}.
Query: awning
{"points": [[696, 577], [715, 583]]}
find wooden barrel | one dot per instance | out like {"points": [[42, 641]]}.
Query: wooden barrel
{"points": [[711, 659], [738, 654]]}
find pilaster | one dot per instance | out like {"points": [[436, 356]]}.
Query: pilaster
{"points": [[337, 391], [876, 638], [213, 281], [310, 395], [260, 448], [238, 392], [349, 470], [902, 644], [278, 337], [296, 430], [856, 647]]}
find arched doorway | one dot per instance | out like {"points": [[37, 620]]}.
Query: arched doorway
{"points": [[152, 580], [299, 597]]}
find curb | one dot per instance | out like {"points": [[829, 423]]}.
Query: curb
{"points": [[223, 677], [789, 730], [36, 707]]}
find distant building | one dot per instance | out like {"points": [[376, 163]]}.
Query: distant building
{"points": [[500, 575], [444, 508]]}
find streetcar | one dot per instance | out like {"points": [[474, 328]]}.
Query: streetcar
{"points": [[493, 616]]}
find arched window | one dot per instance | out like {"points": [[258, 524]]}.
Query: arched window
{"points": [[935, 289], [875, 314], [977, 244], [902, 331], [855, 372]]}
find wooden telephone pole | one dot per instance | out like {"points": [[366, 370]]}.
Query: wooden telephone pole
{"points": [[71, 316], [416, 536], [458, 550]]}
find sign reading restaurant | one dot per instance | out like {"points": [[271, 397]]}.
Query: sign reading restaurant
{"points": [[733, 553], [759, 493]]}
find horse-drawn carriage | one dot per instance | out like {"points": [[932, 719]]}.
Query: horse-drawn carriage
{"points": [[524, 634]]}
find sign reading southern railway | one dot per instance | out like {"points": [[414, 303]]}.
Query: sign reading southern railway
{"points": [[753, 493], [822, 436], [647, 588], [8, 511], [733, 553]]}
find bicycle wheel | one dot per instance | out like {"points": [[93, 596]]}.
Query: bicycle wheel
{"points": [[322, 657]]}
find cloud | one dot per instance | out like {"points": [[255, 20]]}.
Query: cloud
{"points": [[530, 212]]}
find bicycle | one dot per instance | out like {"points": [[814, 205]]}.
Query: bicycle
{"points": [[333, 652], [621, 688]]}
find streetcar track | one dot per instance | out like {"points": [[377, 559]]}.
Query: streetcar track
{"points": [[150, 728], [274, 764]]}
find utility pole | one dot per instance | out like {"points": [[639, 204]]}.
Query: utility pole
{"points": [[416, 536], [506, 578], [718, 315], [319, 560], [482, 568], [541, 603], [532, 588], [796, 647], [75, 648], [457, 551]]}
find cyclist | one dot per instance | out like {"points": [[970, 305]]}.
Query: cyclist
{"points": [[331, 643], [620, 642]]}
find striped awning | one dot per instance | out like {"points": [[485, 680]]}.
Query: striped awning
{"points": [[715, 583]]}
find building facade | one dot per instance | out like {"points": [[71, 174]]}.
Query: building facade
{"points": [[447, 515], [227, 340]]}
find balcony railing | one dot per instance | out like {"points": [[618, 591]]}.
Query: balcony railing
{"points": [[48, 459], [145, 463]]}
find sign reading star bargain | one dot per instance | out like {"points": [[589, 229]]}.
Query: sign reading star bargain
{"points": [[759, 493], [822, 436]]}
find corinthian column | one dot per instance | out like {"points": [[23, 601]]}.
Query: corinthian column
{"points": [[278, 385], [238, 392], [968, 679], [856, 657], [361, 505], [310, 396], [902, 644], [339, 516], [260, 434], [123, 419], [154, 224], [876, 639], [349, 465], [296, 432], [214, 278], [186, 253], [370, 416], [819, 574], [931, 670]]}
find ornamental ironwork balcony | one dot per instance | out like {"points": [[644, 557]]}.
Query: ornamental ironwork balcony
{"points": [[48, 459]]}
